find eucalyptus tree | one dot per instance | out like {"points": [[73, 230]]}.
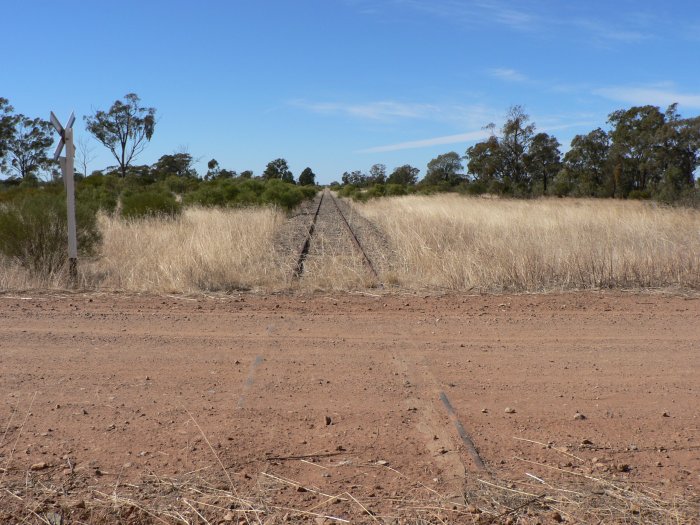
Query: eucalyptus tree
{"points": [[125, 129]]}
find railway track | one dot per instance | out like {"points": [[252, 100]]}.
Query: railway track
{"points": [[329, 217]]}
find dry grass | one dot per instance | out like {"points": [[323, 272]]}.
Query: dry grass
{"points": [[197, 500], [458, 243], [203, 250], [444, 242]]}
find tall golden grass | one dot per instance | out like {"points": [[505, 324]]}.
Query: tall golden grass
{"points": [[202, 250], [444, 242], [460, 243]]}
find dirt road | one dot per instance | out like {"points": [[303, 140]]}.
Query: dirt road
{"points": [[306, 396]]}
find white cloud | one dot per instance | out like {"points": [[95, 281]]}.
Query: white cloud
{"points": [[510, 75], [383, 110], [658, 96], [424, 143], [459, 115]]}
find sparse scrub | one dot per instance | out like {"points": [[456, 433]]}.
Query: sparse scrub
{"points": [[248, 192], [33, 233], [149, 203], [460, 243], [203, 249]]}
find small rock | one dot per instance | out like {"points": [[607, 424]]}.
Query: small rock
{"points": [[328, 420], [509, 410], [301, 489], [622, 467], [659, 464], [484, 410], [381, 462], [556, 517], [579, 417], [39, 466], [665, 414], [586, 442]]}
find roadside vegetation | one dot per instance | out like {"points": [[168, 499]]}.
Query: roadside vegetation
{"points": [[166, 227], [646, 154], [456, 243]]}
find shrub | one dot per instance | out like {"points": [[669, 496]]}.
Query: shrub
{"points": [[282, 194], [34, 230], [149, 203]]}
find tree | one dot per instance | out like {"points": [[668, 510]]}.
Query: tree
{"points": [[588, 164], [444, 169], [514, 144], [278, 169], [485, 161], [543, 159], [7, 125], [27, 146], [406, 175], [355, 178], [635, 136], [84, 155], [307, 177], [178, 164], [377, 174], [247, 174], [124, 130], [680, 147]]}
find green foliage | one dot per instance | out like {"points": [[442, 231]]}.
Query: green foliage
{"points": [[124, 129], [444, 169], [249, 192], [27, 147], [34, 231], [7, 124], [99, 192], [285, 195], [406, 174], [149, 203], [278, 169], [307, 177]]}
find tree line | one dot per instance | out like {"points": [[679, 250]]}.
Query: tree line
{"points": [[124, 129], [646, 153]]}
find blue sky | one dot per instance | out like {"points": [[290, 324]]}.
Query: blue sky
{"points": [[342, 84]]}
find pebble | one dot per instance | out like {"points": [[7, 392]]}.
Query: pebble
{"points": [[509, 410], [484, 410], [39, 466], [665, 414], [579, 417]]}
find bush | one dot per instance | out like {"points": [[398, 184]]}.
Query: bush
{"points": [[34, 230], [149, 203], [282, 194]]}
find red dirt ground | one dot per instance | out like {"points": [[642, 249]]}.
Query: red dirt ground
{"points": [[110, 387]]}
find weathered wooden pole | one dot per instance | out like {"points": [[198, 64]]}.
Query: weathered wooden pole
{"points": [[67, 164]]}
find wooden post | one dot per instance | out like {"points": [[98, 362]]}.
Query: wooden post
{"points": [[68, 169], [69, 179]]}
